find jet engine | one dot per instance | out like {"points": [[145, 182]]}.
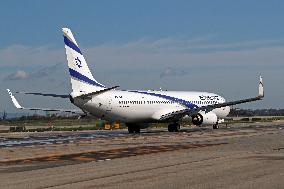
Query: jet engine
{"points": [[209, 118]]}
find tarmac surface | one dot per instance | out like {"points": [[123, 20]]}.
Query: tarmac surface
{"points": [[240, 156]]}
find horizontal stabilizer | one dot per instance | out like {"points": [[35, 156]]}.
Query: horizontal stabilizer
{"points": [[96, 92]]}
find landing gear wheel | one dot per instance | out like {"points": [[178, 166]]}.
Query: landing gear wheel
{"points": [[130, 129], [215, 126], [134, 129], [171, 128], [137, 129], [174, 127], [177, 129]]}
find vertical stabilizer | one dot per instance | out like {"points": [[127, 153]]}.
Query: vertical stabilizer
{"points": [[82, 79]]}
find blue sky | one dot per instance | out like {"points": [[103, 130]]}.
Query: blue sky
{"points": [[38, 22], [217, 46]]}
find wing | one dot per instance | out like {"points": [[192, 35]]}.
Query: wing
{"points": [[17, 105], [44, 94], [176, 115], [83, 96]]}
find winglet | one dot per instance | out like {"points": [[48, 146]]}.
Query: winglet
{"points": [[14, 100], [260, 88]]}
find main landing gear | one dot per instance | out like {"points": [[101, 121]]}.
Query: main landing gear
{"points": [[134, 129], [173, 127]]}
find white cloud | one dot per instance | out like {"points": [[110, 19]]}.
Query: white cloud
{"points": [[21, 56], [168, 72], [18, 75], [39, 73], [145, 52]]}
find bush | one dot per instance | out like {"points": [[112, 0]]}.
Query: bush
{"points": [[256, 119], [245, 119], [18, 129]]}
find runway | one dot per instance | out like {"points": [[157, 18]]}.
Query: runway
{"points": [[242, 156]]}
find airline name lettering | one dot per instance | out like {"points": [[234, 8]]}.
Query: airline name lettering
{"points": [[209, 97]]}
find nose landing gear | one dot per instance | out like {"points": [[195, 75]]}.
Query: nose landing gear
{"points": [[216, 126]]}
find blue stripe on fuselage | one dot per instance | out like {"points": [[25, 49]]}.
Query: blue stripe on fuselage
{"points": [[71, 45], [174, 99], [81, 77]]}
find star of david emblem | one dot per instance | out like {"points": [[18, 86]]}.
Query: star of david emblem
{"points": [[78, 62]]}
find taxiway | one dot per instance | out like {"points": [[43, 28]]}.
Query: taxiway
{"points": [[241, 156]]}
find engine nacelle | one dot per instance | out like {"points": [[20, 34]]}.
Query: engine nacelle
{"points": [[209, 118]]}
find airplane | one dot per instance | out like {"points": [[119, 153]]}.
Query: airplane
{"points": [[137, 108]]}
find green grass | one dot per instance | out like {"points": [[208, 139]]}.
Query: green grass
{"points": [[55, 124]]}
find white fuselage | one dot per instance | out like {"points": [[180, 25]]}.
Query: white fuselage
{"points": [[147, 106]]}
